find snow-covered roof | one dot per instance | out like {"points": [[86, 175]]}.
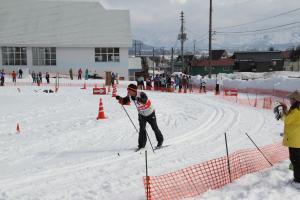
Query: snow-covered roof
{"points": [[63, 24]]}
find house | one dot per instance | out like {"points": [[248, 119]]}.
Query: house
{"points": [[54, 36], [135, 66], [218, 54], [218, 66], [177, 64], [258, 61], [286, 55]]}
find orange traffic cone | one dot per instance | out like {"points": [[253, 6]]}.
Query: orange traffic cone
{"points": [[114, 93], [101, 114], [18, 128], [84, 86]]}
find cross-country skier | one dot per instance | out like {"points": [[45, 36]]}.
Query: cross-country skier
{"points": [[146, 114]]}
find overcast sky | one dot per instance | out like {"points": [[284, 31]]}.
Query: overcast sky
{"points": [[157, 23]]}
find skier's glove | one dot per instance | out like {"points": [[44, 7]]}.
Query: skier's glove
{"points": [[139, 99], [133, 98], [118, 97]]}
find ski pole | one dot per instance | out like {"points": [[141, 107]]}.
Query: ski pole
{"points": [[129, 118], [228, 162], [259, 150], [145, 129]]}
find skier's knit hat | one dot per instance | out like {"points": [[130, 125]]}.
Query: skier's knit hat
{"points": [[295, 95], [132, 87]]}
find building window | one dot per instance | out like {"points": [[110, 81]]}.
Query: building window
{"points": [[44, 56], [14, 56], [107, 54]]}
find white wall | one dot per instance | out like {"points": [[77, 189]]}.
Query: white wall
{"points": [[83, 58], [0, 57]]}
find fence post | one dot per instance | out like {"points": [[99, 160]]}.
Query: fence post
{"points": [[228, 162], [147, 177], [259, 150]]}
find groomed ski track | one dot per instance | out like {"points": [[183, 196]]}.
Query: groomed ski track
{"points": [[63, 152]]}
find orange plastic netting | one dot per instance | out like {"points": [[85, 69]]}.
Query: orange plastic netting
{"points": [[213, 174]]}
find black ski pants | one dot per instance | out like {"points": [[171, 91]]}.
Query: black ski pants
{"points": [[151, 119], [295, 159]]}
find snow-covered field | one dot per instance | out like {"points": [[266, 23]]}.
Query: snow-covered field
{"points": [[63, 152]]}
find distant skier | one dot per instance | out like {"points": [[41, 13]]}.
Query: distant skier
{"points": [[146, 114]]}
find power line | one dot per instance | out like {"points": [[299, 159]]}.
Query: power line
{"points": [[260, 33], [258, 30], [260, 20]]}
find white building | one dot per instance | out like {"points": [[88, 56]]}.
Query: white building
{"points": [[55, 36], [135, 65]]}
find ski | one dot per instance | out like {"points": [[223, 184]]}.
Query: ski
{"points": [[139, 149], [163, 146]]}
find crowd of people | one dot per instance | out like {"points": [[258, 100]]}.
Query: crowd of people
{"points": [[180, 82], [36, 77]]}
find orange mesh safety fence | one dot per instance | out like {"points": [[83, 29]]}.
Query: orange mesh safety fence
{"points": [[213, 174], [258, 102]]}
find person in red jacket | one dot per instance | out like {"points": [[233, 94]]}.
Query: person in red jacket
{"points": [[14, 76], [146, 114]]}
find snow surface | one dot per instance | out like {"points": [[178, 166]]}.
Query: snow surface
{"points": [[63, 152]]}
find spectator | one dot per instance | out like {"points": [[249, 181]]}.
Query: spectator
{"points": [[176, 80], [79, 74], [291, 137], [184, 83], [14, 76], [180, 82], [2, 78], [33, 75], [47, 77], [86, 74], [117, 78], [20, 73], [140, 83], [190, 84], [156, 82], [202, 85], [40, 77], [71, 73], [148, 83], [113, 77]]}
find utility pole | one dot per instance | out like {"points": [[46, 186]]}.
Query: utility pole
{"points": [[194, 47], [172, 58], [163, 57], [210, 35], [182, 37], [134, 48], [153, 63], [140, 49]]}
